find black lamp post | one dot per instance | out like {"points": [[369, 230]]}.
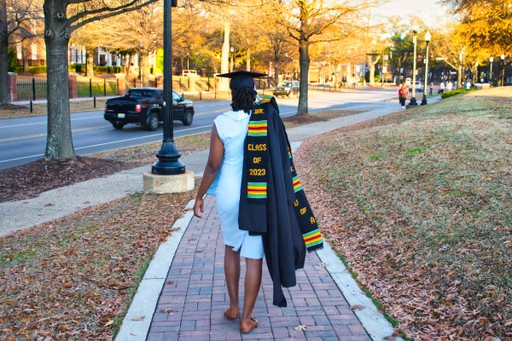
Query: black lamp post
{"points": [[490, 70], [413, 98], [168, 155], [232, 58], [428, 36]]}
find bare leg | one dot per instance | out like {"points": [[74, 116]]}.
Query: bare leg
{"points": [[252, 286], [232, 273]]}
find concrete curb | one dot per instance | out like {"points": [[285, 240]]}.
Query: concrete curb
{"points": [[138, 319], [370, 317]]}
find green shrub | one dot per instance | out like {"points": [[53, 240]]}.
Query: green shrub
{"points": [[12, 61], [447, 94], [108, 69], [34, 70], [78, 68]]}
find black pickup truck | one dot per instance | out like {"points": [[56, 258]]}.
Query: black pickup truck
{"points": [[144, 106]]}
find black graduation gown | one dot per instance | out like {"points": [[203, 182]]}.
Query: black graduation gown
{"points": [[283, 243]]}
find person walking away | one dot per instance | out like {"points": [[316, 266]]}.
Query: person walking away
{"points": [[403, 93], [255, 197], [441, 88]]}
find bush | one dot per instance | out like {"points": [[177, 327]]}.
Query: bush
{"points": [[12, 61], [447, 94], [34, 70], [78, 68], [108, 69]]}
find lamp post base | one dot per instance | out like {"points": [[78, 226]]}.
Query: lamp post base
{"points": [[413, 102], [424, 100], [168, 163]]}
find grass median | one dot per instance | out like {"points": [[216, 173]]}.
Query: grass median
{"points": [[420, 206]]}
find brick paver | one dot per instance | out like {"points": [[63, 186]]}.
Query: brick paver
{"points": [[194, 297]]}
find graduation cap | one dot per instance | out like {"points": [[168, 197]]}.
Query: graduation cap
{"points": [[242, 79]]}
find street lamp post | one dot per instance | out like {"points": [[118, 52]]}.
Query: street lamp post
{"points": [[413, 98], [168, 155], [232, 57], [490, 70], [503, 70], [428, 36]]}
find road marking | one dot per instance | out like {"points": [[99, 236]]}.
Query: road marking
{"points": [[45, 122], [22, 158], [44, 134], [135, 138]]}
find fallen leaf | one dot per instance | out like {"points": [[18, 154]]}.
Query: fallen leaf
{"points": [[109, 323], [301, 327], [358, 307], [138, 318]]}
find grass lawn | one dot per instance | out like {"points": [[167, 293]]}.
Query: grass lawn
{"points": [[420, 206]]}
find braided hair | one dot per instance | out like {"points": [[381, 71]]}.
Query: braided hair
{"points": [[243, 99]]}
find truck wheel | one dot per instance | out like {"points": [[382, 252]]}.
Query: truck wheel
{"points": [[152, 122], [187, 117], [118, 125]]}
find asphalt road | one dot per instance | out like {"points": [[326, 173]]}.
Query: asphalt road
{"points": [[23, 140]]}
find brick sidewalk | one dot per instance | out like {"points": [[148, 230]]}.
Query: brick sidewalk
{"points": [[194, 297]]}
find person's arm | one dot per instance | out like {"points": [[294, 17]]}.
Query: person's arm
{"points": [[210, 171]]}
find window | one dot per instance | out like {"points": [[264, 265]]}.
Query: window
{"points": [[34, 52]]}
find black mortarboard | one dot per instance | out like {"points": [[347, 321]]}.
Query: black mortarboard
{"points": [[242, 79]]}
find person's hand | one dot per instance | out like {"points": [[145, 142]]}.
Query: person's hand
{"points": [[199, 207]]}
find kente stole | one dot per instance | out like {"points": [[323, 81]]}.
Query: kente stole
{"points": [[256, 153]]}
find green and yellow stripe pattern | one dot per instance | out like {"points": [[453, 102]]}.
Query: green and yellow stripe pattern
{"points": [[312, 238], [257, 190], [257, 128]]}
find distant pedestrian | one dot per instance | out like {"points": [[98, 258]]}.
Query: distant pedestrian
{"points": [[441, 88], [431, 89], [403, 93], [449, 86], [468, 85]]}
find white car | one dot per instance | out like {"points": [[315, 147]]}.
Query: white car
{"points": [[418, 87]]}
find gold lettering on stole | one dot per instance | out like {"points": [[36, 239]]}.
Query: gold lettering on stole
{"points": [[256, 160], [312, 220], [296, 203], [259, 147], [303, 210]]}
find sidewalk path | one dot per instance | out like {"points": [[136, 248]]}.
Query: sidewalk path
{"points": [[194, 297]]}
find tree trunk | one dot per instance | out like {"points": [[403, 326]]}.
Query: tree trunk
{"points": [[90, 63], [59, 144], [4, 46], [127, 65], [224, 62], [371, 64], [25, 54], [459, 77], [304, 76], [248, 63]]}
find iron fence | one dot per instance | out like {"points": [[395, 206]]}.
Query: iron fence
{"points": [[31, 89], [35, 89]]}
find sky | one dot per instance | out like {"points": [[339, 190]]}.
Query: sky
{"points": [[429, 11]]}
